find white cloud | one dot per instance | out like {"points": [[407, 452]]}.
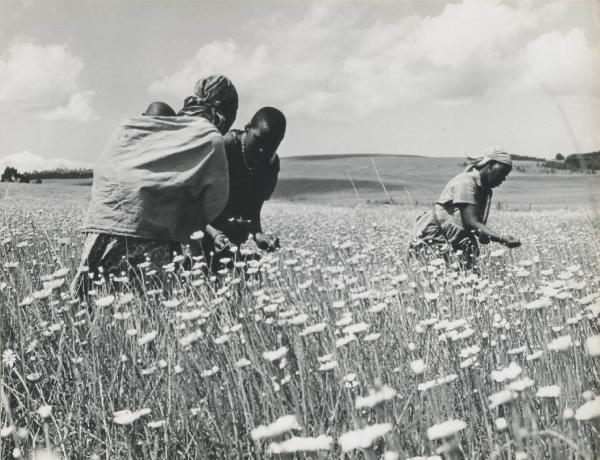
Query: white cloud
{"points": [[334, 64], [44, 80], [562, 62], [26, 162], [78, 108]]}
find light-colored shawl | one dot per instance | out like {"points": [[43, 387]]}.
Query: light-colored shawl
{"points": [[159, 178]]}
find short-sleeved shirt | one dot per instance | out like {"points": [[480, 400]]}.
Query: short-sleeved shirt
{"points": [[447, 225], [464, 188]]}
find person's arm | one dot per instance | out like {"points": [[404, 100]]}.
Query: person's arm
{"points": [[253, 214], [468, 214], [219, 238], [264, 241]]}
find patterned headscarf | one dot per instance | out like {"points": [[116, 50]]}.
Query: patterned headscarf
{"points": [[497, 154], [216, 99]]}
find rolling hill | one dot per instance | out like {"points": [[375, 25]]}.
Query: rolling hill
{"points": [[412, 181], [415, 180]]}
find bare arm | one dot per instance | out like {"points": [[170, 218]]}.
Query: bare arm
{"points": [[468, 214], [254, 216], [265, 241], [219, 238]]}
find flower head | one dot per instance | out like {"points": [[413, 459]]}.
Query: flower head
{"points": [[278, 427]]}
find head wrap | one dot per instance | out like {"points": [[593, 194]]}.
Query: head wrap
{"points": [[211, 95], [496, 154]]}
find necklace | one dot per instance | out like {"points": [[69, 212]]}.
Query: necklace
{"points": [[243, 143]]}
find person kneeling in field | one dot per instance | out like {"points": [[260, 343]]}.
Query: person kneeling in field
{"points": [[159, 180], [253, 169], [457, 221]]}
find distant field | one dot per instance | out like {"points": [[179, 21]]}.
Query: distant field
{"points": [[409, 180], [420, 180]]}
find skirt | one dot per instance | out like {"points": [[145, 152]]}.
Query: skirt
{"points": [[104, 255]]}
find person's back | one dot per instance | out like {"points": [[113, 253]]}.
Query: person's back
{"points": [[160, 179], [463, 189]]}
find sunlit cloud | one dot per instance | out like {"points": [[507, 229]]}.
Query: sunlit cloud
{"points": [[44, 81], [469, 50]]}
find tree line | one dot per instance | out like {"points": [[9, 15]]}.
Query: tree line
{"points": [[576, 162], [11, 174]]}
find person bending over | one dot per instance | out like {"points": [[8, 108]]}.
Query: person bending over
{"points": [[158, 181], [457, 221], [253, 169]]}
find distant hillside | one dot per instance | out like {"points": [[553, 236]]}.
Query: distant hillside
{"points": [[339, 156], [415, 180]]}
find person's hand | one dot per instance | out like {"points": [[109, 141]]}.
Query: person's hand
{"points": [[221, 242], [510, 242], [266, 242]]}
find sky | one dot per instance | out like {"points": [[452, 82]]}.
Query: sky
{"points": [[420, 77]]}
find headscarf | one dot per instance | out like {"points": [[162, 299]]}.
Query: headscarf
{"points": [[211, 96], [496, 153]]}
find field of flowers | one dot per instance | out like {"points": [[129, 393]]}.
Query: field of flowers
{"points": [[333, 347]]}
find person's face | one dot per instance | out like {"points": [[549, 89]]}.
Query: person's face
{"points": [[495, 173], [261, 144]]}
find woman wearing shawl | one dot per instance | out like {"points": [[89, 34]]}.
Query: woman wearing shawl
{"points": [[458, 218], [159, 180]]}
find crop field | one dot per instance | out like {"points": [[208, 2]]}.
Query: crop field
{"points": [[335, 346]]}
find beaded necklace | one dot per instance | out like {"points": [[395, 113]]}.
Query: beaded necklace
{"points": [[243, 143]]}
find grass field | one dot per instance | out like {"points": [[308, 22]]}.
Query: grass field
{"points": [[333, 347]]}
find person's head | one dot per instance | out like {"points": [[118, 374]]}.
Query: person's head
{"points": [[216, 99], [263, 135], [159, 109], [494, 173], [494, 166]]}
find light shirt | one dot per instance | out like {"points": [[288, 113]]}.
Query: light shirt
{"points": [[447, 225]]}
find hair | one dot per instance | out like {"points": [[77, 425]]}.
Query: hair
{"points": [[159, 109], [272, 117]]}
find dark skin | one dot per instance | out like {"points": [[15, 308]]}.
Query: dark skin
{"points": [[159, 109], [492, 175], [261, 143]]}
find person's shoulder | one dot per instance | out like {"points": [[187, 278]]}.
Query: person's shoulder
{"points": [[466, 178], [216, 139]]}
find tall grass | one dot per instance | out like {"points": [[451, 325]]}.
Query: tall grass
{"points": [[336, 315]]}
